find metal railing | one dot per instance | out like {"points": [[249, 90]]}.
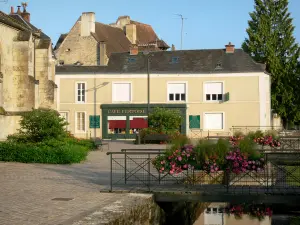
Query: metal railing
{"points": [[132, 170]]}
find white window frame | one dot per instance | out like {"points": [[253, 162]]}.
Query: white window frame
{"points": [[204, 91], [214, 112], [67, 119], [76, 92], [113, 90], [85, 122], [186, 91]]}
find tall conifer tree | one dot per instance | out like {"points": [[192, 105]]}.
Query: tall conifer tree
{"points": [[271, 41]]}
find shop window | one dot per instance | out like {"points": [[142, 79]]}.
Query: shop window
{"points": [[80, 121], [137, 123], [213, 121], [213, 91], [116, 124], [177, 92], [121, 92], [81, 92]]}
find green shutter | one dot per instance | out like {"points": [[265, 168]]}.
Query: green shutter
{"points": [[194, 122], [226, 97], [94, 121]]}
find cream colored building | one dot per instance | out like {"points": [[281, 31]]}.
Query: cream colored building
{"points": [[213, 89], [27, 69]]}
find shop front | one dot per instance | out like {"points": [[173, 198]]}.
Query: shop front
{"points": [[124, 121]]}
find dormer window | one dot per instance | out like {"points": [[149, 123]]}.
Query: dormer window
{"points": [[175, 59], [218, 66]]}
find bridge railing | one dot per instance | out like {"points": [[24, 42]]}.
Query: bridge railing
{"points": [[132, 170]]}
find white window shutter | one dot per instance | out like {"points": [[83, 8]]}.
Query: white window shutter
{"points": [[122, 92], [176, 88], [214, 88], [213, 121]]}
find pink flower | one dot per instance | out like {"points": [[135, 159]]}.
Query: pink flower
{"points": [[162, 168], [188, 155], [185, 166], [179, 158], [171, 171], [162, 162]]}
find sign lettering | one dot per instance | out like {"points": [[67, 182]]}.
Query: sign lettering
{"points": [[126, 111]]}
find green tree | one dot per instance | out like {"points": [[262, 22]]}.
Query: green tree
{"points": [[271, 41], [40, 125], [163, 119]]}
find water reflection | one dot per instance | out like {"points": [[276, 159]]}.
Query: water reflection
{"points": [[215, 214]]}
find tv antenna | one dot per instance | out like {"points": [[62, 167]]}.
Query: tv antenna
{"points": [[182, 19]]}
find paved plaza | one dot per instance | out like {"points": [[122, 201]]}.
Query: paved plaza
{"points": [[57, 194]]}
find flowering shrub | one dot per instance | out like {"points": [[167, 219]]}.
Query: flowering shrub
{"points": [[255, 211], [267, 140], [175, 162], [238, 162], [210, 165]]}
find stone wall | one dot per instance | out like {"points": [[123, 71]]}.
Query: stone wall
{"points": [[10, 123], [77, 48], [138, 209]]}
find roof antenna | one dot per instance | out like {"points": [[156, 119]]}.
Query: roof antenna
{"points": [[182, 18]]}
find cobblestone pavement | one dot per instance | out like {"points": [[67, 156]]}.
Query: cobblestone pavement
{"points": [[27, 190]]}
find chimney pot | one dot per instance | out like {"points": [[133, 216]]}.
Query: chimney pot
{"points": [[19, 10], [229, 48], [12, 11], [134, 50]]}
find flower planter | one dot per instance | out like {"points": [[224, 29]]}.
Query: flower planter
{"points": [[202, 177], [252, 178]]}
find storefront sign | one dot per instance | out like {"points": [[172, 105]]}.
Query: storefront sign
{"points": [[126, 111], [94, 121]]}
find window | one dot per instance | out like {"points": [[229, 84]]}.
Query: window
{"points": [[176, 92], [116, 124], [213, 91], [194, 121], [80, 121], [213, 121], [175, 59], [121, 92], [65, 116], [81, 88]]}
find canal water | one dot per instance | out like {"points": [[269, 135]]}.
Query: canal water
{"points": [[215, 214]]}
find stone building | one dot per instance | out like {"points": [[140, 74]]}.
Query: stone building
{"points": [[27, 69], [91, 43]]}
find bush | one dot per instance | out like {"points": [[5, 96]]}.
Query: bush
{"points": [[39, 125], [51, 151]]}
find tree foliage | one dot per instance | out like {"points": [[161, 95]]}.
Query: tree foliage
{"points": [[165, 119], [271, 41], [40, 125]]}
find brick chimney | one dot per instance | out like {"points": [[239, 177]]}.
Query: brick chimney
{"points": [[229, 48], [87, 23], [12, 11], [134, 50], [25, 15]]}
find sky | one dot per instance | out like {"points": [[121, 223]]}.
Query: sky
{"points": [[209, 24]]}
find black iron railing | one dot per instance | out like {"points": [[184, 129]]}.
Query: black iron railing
{"points": [[132, 170]]}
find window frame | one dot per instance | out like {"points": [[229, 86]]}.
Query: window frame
{"points": [[67, 117], [204, 92], [76, 92], [213, 112], [85, 122], [113, 90], [186, 91]]}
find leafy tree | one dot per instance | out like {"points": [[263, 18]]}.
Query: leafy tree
{"points": [[271, 41], [40, 125], [165, 119]]}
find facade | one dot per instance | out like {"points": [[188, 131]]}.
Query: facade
{"points": [[91, 43], [213, 89], [27, 69]]}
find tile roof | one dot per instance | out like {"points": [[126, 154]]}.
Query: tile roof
{"points": [[146, 35], [60, 40], [115, 39], [185, 61], [18, 22]]}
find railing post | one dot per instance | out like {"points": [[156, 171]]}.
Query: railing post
{"points": [[110, 172], [125, 166], [149, 172], [158, 171], [267, 163]]}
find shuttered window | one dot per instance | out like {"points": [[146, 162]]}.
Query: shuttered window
{"points": [[214, 91], [122, 92], [213, 121], [194, 122], [177, 92]]}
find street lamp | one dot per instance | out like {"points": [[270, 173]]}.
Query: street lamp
{"points": [[146, 53]]}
